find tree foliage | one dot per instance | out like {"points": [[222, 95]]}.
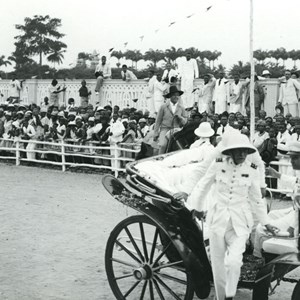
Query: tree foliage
{"points": [[39, 36]]}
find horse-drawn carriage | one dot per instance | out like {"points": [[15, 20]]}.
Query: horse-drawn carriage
{"points": [[163, 253]]}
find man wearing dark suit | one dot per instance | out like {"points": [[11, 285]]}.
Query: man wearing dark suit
{"points": [[171, 115]]}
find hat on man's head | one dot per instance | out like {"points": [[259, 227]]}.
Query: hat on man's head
{"points": [[294, 148], [236, 141], [261, 122], [61, 114], [91, 119], [173, 90], [142, 120], [100, 108], [72, 123], [266, 72], [8, 113], [204, 130], [20, 112]]}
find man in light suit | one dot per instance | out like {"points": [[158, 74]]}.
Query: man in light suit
{"points": [[221, 94], [171, 115], [236, 189], [188, 72], [289, 95]]}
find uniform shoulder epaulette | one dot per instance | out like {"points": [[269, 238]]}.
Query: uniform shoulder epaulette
{"points": [[254, 166], [219, 159]]}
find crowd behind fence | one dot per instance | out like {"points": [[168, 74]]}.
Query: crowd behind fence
{"points": [[104, 156]]}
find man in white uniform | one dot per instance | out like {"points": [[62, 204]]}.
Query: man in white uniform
{"points": [[221, 94], [289, 95], [236, 188], [206, 92], [150, 91], [188, 72], [235, 95]]}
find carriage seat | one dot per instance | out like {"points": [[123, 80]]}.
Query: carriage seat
{"points": [[280, 246]]}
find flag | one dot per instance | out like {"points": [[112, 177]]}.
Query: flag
{"points": [[141, 37], [157, 30], [125, 44], [135, 100], [111, 49], [209, 8], [172, 23], [190, 16]]}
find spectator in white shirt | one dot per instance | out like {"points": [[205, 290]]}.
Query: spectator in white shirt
{"points": [[126, 74], [188, 72], [221, 94], [223, 126], [289, 94], [116, 131], [260, 135], [104, 68], [169, 73], [28, 134], [14, 91], [235, 95]]}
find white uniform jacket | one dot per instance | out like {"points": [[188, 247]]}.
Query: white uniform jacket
{"points": [[289, 92], [236, 192]]}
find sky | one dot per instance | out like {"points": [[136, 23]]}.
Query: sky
{"points": [[100, 25]]}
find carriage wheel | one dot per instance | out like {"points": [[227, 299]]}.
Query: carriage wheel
{"points": [[137, 266], [296, 292]]}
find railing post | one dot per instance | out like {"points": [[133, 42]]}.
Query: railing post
{"points": [[63, 158], [17, 152], [115, 158]]}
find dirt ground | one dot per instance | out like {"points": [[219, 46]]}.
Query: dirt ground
{"points": [[54, 227]]}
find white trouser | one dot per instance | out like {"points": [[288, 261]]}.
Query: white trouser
{"points": [[115, 153], [187, 85], [226, 258], [292, 109], [234, 108], [30, 147], [220, 106], [202, 107]]}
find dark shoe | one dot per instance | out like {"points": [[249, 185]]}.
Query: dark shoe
{"points": [[229, 298]]}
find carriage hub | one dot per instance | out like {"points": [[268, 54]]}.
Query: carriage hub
{"points": [[143, 273]]}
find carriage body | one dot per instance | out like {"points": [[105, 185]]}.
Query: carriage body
{"points": [[178, 240]]}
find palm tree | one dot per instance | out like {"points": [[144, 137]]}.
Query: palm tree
{"points": [[137, 57], [3, 61], [294, 56], [154, 55], [130, 55], [208, 55], [172, 54], [56, 57], [261, 55], [215, 55], [118, 55], [279, 53]]}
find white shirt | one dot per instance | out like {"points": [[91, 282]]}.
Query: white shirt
{"points": [[169, 74], [151, 83], [235, 92], [258, 138], [173, 107], [189, 69], [15, 87], [221, 92], [222, 129], [105, 69], [129, 75], [295, 137], [117, 128], [29, 130]]}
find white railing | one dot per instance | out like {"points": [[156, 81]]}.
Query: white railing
{"points": [[113, 92], [67, 153]]}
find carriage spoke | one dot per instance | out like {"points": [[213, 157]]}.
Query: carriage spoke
{"points": [[143, 290], [144, 241], [134, 244], [122, 277], [162, 254], [173, 264], [158, 289], [153, 246], [167, 288], [131, 289], [123, 262], [171, 278], [151, 290], [128, 252]]}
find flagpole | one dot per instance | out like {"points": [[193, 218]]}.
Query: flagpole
{"points": [[252, 109]]}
